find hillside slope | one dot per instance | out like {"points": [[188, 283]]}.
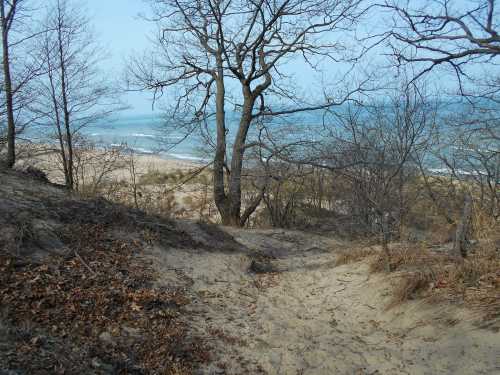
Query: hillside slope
{"points": [[77, 294], [90, 287]]}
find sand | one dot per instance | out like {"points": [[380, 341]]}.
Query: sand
{"points": [[42, 157], [110, 174], [311, 317]]}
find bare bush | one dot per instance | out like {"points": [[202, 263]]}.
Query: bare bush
{"points": [[373, 149], [464, 181], [94, 166], [284, 194]]}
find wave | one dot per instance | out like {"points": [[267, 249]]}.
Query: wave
{"points": [[460, 172], [140, 150], [184, 157], [475, 150], [141, 135]]}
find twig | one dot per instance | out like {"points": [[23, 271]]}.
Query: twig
{"points": [[192, 175], [154, 224], [83, 262]]}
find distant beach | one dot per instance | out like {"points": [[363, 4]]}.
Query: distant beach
{"points": [[143, 134]]}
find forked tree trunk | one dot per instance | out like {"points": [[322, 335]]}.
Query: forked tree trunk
{"points": [[229, 202]]}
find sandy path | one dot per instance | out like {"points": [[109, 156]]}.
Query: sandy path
{"points": [[314, 318]]}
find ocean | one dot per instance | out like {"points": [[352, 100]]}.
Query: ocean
{"points": [[144, 134], [149, 134]]}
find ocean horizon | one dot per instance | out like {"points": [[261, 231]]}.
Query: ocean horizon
{"points": [[151, 135]]}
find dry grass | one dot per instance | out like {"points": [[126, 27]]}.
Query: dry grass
{"points": [[355, 254], [409, 257], [473, 282], [411, 285], [485, 226], [437, 277]]}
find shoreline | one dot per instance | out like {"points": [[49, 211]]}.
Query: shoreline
{"points": [[34, 147], [172, 156], [116, 160]]}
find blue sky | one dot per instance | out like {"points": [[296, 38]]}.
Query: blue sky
{"points": [[121, 32]]}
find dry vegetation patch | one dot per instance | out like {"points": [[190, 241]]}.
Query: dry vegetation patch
{"points": [[93, 311], [355, 254], [435, 276], [473, 282]]}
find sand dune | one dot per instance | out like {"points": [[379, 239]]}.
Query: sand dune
{"points": [[305, 317], [314, 318]]}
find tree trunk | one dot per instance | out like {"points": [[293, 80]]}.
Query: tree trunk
{"points": [[460, 244], [229, 203], [9, 106], [238, 153], [66, 115], [60, 135], [220, 197], [386, 238]]}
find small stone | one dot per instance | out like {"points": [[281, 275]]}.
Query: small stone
{"points": [[262, 266], [135, 332], [107, 338]]}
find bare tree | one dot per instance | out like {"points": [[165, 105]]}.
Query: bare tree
{"points": [[73, 92], [6, 20], [18, 71], [463, 35], [219, 52]]}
